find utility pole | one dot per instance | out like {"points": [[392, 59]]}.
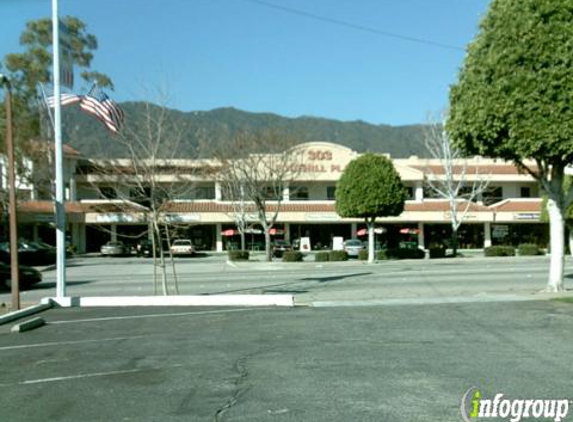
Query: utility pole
{"points": [[14, 268]]}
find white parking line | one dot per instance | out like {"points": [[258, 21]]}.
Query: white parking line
{"points": [[224, 311], [92, 375], [60, 343]]}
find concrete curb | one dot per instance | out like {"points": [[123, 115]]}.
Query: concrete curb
{"points": [[13, 316], [215, 300], [28, 325]]}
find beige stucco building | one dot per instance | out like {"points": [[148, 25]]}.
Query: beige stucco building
{"points": [[507, 213]]}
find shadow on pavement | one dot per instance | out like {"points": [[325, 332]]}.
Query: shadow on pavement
{"points": [[334, 278]]}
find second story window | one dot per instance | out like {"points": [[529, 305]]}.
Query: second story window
{"points": [[525, 192], [492, 195], [108, 192], [331, 193], [298, 193]]}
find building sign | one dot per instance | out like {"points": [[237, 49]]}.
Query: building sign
{"points": [[116, 218], [527, 216], [182, 218], [321, 217]]}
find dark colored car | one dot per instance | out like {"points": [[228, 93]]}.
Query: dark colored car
{"points": [[28, 276], [30, 253], [280, 247], [145, 248]]}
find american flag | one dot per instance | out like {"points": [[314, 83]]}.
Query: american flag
{"points": [[97, 103], [65, 99]]}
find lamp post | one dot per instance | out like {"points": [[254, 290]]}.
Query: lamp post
{"points": [[14, 273]]}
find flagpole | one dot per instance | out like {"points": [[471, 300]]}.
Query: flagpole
{"points": [[59, 194]]}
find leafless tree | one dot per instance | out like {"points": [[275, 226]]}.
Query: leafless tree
{"points": [[257, 167], [454, 181], [150, 177]]}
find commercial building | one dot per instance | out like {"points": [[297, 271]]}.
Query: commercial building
{"points": [[101, 208]]}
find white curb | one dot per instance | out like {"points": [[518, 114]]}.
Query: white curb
{"points": [[214, 300], [28, 325], [12, 316]]}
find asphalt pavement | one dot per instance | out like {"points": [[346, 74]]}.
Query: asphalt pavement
{"points": [[378, 363]]}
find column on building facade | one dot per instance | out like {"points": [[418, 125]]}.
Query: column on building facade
{"points": [[113, 232], [35, 236], [218, 237], [287, 232], [419, 192], [353, 230], [78, 237], [73, 189], [421, 240], [218, 192], [286, 193], [487, 235]]}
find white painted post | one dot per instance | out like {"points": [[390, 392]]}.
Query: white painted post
{"points": [[487, 235], [60, 201], [421, 240], [219, 237]]}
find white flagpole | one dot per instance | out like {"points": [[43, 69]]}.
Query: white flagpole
{"points": [[60, 205]]}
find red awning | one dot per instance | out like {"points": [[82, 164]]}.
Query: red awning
{"points": [[408, 230]]}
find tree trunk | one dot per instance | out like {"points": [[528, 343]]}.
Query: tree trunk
{"points": [[454, 242], [161, 259], [557, 237], [370, 225], [268, 251], [571, 240], [243, 241]]}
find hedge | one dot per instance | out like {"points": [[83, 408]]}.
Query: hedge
{"points": [[292, 256], [499, 251], [437, 253], [528, 249], [237, 255], [363, 254], [338, 256], [321, 256], [400, 253]]}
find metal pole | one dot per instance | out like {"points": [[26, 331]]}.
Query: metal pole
{"points": [[14, 273], [60, 206]]}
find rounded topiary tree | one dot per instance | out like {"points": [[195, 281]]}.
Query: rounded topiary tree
{"points": [[370, 187]]}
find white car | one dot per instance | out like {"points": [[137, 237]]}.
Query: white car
{"points": [[182, 247]]}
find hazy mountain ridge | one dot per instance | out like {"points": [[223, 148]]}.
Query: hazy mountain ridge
{"points": [[89, 136]]}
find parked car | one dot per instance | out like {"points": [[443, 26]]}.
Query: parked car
{"points": [[145, 248], [31, 253], [182, 247], [115, 248], [28, 276], [280, 247], [353, 247]]}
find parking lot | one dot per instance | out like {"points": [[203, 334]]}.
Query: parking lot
{"points": [[376, 363]]}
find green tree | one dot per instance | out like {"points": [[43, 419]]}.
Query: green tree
{"points": [[28, 69], [370, 187], [513, 100]]}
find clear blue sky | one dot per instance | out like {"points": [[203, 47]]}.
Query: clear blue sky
{"points": [[311, 59]]}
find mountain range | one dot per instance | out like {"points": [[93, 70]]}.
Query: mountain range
{"points": [[87, 135]]}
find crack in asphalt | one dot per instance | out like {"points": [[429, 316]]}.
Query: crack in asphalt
{"points": [[240, 387]]}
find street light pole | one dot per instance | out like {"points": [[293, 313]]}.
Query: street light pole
{"points": [[14, 269]]}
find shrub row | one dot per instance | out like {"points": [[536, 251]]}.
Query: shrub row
{"points": [[529, 249], [331, 256], [236, 255], [499, 251], [400, 253], [292, 256]]}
